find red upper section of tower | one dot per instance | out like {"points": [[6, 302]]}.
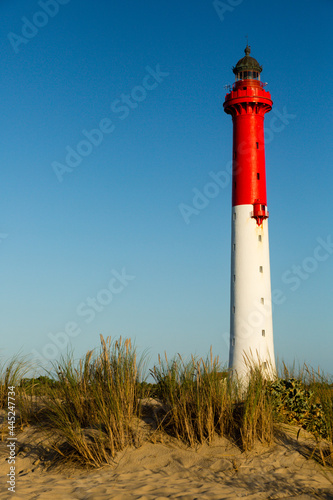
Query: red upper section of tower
{"points": [[247, 103]]}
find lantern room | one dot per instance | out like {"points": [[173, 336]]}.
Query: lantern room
{"points": [[247, 68]]}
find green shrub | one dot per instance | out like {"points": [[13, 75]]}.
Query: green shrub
{"points": [[293, 402]]}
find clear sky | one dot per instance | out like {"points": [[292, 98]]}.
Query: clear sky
{"points": [[112, 129]]}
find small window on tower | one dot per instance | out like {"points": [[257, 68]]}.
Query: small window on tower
{"points": [[264, 365], [259, 237], [258, 176], [234, 246], [263, 207], [233, 309], [234, 215], [263, 333], [262, 300], [233, 341], [261, 269], [234, 277], [257, 144]]}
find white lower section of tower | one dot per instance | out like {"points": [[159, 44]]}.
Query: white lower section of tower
{"points": [[251, 326]]}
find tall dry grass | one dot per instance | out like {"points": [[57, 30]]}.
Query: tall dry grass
{"points": [[196, 399], [199, 404], [92, 407], [256, 416], [11, 372], [93, 411]]}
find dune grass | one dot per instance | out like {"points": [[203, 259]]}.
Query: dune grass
{"points": [[256, 418], [92, 408], [197, 401], [11, 372], [201, 402]]}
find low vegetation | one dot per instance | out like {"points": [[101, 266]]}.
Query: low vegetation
{"points": [[93, 406], [201, 401], [97, 406], [196, 399], [307, 401]]}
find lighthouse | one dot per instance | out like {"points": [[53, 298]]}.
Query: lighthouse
{"points": [[251, 326]]}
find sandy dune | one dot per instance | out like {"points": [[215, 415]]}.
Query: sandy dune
{"points": [[171, 470]]}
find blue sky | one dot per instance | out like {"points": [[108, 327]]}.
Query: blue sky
{"points": [[103, 247]]}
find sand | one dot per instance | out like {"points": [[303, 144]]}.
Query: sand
{"points": [[172, 470]]}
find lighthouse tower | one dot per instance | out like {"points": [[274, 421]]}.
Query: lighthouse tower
{"points": [[251, 327]]}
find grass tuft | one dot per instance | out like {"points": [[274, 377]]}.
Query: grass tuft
{"points": [[196, 399], [94, 408]]}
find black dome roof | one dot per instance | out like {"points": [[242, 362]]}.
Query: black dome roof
{"points": [[247, 63]]}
